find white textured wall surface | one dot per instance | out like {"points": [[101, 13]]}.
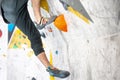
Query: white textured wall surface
{"points": [[88, 51]]}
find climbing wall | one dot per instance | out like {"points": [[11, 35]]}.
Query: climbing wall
{"points": [[3, 50], [84, 39]]}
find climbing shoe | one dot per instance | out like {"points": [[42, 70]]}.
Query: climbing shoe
{"points": [[41, 25], [58, 73]]}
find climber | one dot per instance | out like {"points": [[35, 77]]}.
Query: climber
{"points": [[16, 12]]}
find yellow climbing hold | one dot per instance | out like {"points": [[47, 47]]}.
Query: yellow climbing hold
{"points": [[30, 54], [79, 15], [44, 5], [51, 62], [18, 39]]}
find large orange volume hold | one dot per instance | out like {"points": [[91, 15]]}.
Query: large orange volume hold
{"points": [[60, 23]]}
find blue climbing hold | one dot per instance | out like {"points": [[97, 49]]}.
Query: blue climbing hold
{"points": [[11, 27], [56, 52]]}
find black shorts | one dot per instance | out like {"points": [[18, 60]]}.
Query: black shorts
{"points": [[16, 12]]}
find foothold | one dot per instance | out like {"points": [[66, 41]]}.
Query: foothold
{"points": [[49, 29], [4, 55], [20, 36], [0, 33], [19, 43], [24, 36], [87, 41], [15, 46], [56, 52], [33, 78]]}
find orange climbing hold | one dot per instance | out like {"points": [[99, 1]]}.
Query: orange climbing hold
{"points": [[60, 23]]}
